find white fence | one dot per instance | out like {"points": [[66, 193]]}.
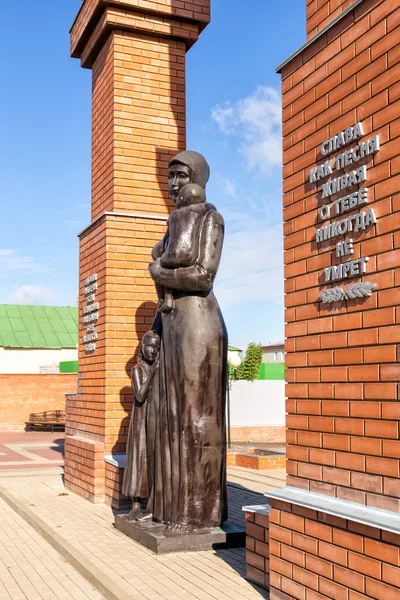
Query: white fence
{"points": [[257, 403]]}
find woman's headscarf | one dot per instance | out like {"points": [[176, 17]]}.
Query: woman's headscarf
{"points": [[196, 163]]}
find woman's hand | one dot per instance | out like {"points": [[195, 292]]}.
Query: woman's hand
{"points": [[155, 269]]}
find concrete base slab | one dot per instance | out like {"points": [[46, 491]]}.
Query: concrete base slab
{"points": [[160, 540]]}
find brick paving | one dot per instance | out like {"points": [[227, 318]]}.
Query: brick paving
{"points": [[142, 575], [31, 450], [31, 568]]}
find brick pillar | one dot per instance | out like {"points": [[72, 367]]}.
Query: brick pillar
{"points": [[136, 50], [335, 529]]}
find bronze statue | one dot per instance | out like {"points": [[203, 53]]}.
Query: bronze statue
{"points": [[182, 228], [140, 447], [184, 473], [189, 480]]}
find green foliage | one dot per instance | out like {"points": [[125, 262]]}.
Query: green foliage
{"points": [[250, 367]]}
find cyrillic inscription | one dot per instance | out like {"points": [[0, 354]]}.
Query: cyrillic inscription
{"points": [[331, 209], [90, 313]]}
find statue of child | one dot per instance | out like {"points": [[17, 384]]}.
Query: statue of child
{"points": [[139, 447]]}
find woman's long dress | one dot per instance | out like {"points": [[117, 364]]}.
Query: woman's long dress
{"points": [[189, 485]]}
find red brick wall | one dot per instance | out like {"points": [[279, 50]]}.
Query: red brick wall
{"points": [[314, 556], [342, 358], [84, 465], [257, 548], [23, 394], [264, 435], [245, 457], [321, 12], [343, 371]]}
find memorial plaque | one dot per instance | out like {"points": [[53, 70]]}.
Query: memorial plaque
{"points": [[355, 202], [90, 312]]}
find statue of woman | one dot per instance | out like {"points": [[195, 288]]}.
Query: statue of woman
{"points": [[189, 480], [137, 480]]}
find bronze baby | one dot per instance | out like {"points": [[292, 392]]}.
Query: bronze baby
{"points": [[183, 226]]}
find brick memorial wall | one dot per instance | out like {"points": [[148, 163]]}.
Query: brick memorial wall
{"points": [[343, 374], [320, 13], [341, 183]]}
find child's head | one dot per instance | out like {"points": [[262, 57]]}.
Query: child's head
{"points": [[189, 194], [150, 345]]}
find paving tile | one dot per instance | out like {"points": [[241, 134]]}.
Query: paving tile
{"points": [[29, 565], [205, 575], [32, 450]]}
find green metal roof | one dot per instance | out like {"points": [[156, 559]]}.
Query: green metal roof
{"points": [[23, 326]]}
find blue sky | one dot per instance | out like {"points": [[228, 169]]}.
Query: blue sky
{"points": [[233, 115]]}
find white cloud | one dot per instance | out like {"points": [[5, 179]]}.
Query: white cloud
{"points": [[11, 260], [225, 117], [252, 262], [256, 122], [32, 294], [227, 185]]}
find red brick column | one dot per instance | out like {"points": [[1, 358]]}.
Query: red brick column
{"points": [[136, 50], [257, 545], [343, 442]]}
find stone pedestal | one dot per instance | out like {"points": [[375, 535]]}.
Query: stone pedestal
{"points": [[160, 540], [136, 50]]}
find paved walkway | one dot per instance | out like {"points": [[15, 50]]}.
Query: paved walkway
{"points": [[31, 450], [31, 568], [255, 480], [126, 568]]}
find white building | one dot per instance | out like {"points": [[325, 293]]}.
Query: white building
{"points": [[36, 339], [274, 352]]}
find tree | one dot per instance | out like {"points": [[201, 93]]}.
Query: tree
{"points": [[250, 367]]}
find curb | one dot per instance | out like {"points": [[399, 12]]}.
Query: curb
{"points": [[51, 471], [101, 582]]}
